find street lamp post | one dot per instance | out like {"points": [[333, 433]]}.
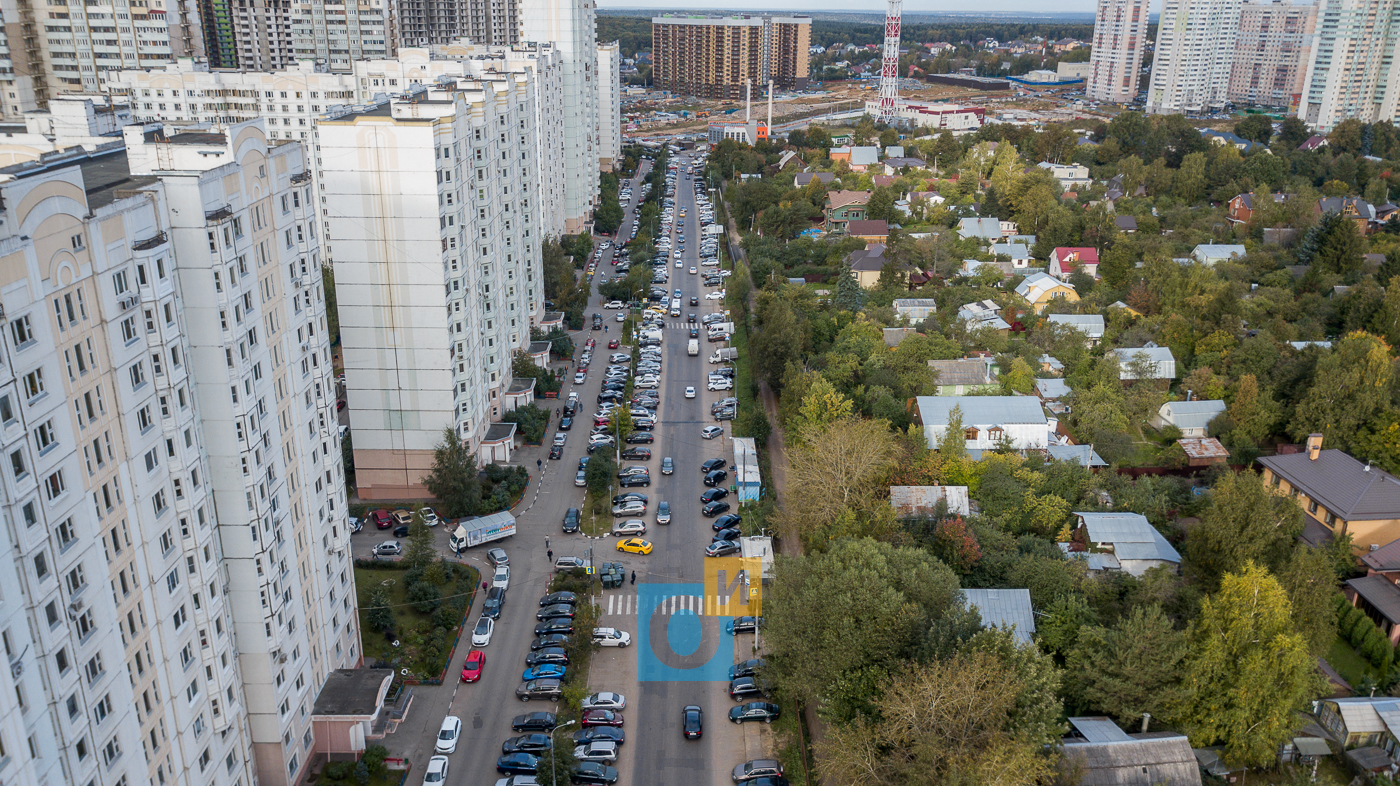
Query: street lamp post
{"points": [[554, 773]]}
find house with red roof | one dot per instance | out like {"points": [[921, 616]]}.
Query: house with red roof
{"points": [[1065, 260]]}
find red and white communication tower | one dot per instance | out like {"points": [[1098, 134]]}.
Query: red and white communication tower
{"points": [[889, 70]]}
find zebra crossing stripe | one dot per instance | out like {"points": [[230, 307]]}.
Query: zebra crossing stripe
{"points": [[712, 605]]}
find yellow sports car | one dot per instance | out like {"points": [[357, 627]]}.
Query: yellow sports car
{"points": [[634, 545]]}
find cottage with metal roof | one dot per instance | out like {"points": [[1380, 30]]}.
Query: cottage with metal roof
{"points": [[982, 314], [1162, 362], [981, 228], [805, 178], [1191, 417], [1099, 753], [1091, 325], [1019, 253], [1065, 260], [1052, 389], [964, 375], [1360, 721], [1338, 494], [843, 207], [1083, 455], [915, 309], [1039, 289], [1209, 254], [987, 421], [1135, 544], [1008, 609], [923, 500]]}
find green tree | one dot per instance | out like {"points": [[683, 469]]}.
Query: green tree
{"points": [[849, 295], [453, 480], [1310, 579], [422, 548], [1256, 128], [1246, 522], [1292, 133], [1128, 668], [952, 443], [1253, 414], [777, 342], [1190, 181], [880, 206], [1333, 245], [378, 615], [1247, 674], [1352, 388]]}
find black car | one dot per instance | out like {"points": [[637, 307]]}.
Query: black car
{"points": [[549, 640], [571, 520], [725, 414], [767, 780], [401, 531], [634, 480], [713, 509], [744, 625], [495, 599], [728, 521], [713, 464], [593, 772], [694, 301], [729, 533], [636, 454], [746, 669], [640, 438], [692, 722], [694, 333], [754, 710], [744, 687], [715, 478], [555, 612], [548, 655], [556, 452], [597, 446], [711, 495], [554, 626], [631, 496], [609, 733], [535, 721], [518, 764], [559, 597], [566, 423], [527, 743]]}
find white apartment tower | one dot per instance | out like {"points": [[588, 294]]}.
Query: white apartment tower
{"points": [[1272, 53], [571, 26], [1120, 33], [433, 207], [1194, 55], [1353, 70], [609, 105]]}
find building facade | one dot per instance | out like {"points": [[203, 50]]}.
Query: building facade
{"points": [[715, 57], [1120, 33], [1352, 70], [571, 27], [1272, 53], [432, 315], [609, 106], [1194, 54]]}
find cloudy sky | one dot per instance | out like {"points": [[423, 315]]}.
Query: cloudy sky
{"points": [[934, 6]]}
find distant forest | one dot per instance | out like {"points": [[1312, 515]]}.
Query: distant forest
{"points": [[634, 32]]}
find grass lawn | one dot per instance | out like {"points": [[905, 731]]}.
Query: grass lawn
{"points": [[1348, 662], [412, 625], [787, 743]]}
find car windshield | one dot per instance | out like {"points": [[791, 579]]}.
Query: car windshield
{"points": [[482, 626], [445, 734]]}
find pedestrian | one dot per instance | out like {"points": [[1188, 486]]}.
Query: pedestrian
{"points": [[539, 464], [483, 585], [634, 577], [550, 554]]}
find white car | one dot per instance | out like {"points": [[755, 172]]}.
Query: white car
{"points": [[679, 264], [436, 771], [693, 271], [601, 439], [630, 527], [481, 634], [710, 262], [716, 295], [726, 273], [646, 383], [448, 735], [611, 637], [710, 432], [579, 377], [690, 392], [502, 577], [614, 304], [725, 385], [606, 700], [621, 316]]}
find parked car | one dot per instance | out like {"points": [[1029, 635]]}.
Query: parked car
{"points": [[592, 733], [548, 655], [554, 626], [481, 634], [436, 771], [540, 671], [611, 637], [602, 718], [715, 478], [747, 668], [497, 557], [755, 710], [550, 689], [713, 494], [727, 534], [559, 597], [534, 721], [630, 527], [744, 624], [556, 611], [604, 700], [757, 768], [527, 743], [721, 548], [710, 432], [634, 546], [491, 606], [592, 772], [712, 509], [381, 518], [636, 454], [472, 666], [548, 640], [745, 687], [571, 520], [448, 734]]}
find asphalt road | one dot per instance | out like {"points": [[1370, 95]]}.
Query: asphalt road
{"points": [[655, 753]]}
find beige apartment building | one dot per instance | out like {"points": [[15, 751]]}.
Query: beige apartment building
{"points": [[1272, 53], [715, 57], [1120, 34]]}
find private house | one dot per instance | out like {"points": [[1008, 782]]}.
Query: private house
{"points": [[985, 229], [1209, 254], [1233, 140], [983, 314], [1101, 754], [1376, 593], [1191, 417], [1039, 289], [866, 264], [964, 376], [843, 207], [1126, 224], [1064, 261], [1083, 455], [805, 178], [1051, 365], [922, 501], [1203, 451], [1362, 721], [987, 421], [976, 267], [1125, 307], [883, 181], [1071, 176], [1018, 253], [894, 164], [1052, 389], [859, 158], [1361, 212], [1338, 494], [1314, 142], [1162, 365], [1240, 209], [1135, 544], [1091, 325], [869, 231], [915, 309], [895, 336], [1007, 609]]}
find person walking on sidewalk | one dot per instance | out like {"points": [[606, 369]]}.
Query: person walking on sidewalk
{"points": [[634, 577]]}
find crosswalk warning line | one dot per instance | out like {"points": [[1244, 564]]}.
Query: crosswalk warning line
{"points": [[611, 598]]}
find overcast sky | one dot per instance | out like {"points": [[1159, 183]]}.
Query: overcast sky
{"points": [[944, 6]]}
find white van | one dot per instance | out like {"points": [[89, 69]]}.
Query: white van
{"points": [[693, 348]]}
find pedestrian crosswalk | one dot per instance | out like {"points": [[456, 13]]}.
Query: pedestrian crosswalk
{"points": [[701, 605]]}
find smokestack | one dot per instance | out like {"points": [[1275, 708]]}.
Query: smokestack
{"points": [[748, 101], [1146, 716], [770, 108], [1314, 446]]}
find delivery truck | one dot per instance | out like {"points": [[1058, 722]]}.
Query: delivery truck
{"points": [[724, 355], [693, 348], [483, 529]]}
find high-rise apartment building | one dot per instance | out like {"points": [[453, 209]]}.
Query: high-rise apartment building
{"points": [[424, 23], [167, 439], [570, 25], [1194, 55], [336, 35], [431, 315], [1272, 53], [1353, 70], [492, 22], [609, 105], [1120, 33], [715, 57]]}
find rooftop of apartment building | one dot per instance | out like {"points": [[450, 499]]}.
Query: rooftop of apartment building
{"points": [[106, 171]]}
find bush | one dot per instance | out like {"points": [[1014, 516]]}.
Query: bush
{"points": [[424, 596], [373, 757], [337, 770], [361, 773]]}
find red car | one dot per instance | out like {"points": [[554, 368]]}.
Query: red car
{"points": [[471, 670], [381, 518], [602, 718], [612, 344]]}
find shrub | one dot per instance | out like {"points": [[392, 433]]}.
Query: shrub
{"points": [[424, 596], [373, 757], [361, 773], [337, 770]]}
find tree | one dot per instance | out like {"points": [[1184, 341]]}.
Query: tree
{"points": [[422, 546], [1310, 579], [1292, 133], [849, 295], [1128, 668], [1332, 245], [1246, 522], [378, 615], [1020, 378], [778, 341], [880, 206], [1253, 414], [836, 466], [453, 480], [952, 443], [1247, 674], [1190, 181], [1256, 128], [1352, 387]]}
